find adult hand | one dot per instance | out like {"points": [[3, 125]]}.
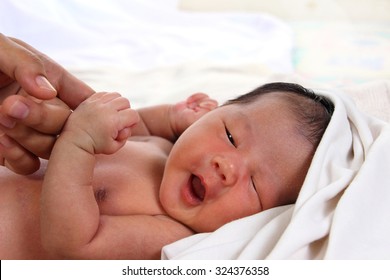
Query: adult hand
{"points": [[30, 115]]}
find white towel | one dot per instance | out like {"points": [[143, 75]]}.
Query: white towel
{"points": [[342, 211]]}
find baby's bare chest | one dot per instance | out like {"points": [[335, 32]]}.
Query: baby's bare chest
{"points": [[128, 182]]}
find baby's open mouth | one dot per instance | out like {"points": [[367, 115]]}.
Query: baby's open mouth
{"points": [[197, 189]]}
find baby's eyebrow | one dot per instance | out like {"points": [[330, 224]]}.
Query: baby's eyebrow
{"points": [[245, 122]]}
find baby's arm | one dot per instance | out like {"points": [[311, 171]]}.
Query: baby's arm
{"points": [[170, 121], [69, 213]]}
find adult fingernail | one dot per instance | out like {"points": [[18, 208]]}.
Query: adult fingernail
{"points": [[19, 110], [7, 122], [4, 141], [43, 83]]}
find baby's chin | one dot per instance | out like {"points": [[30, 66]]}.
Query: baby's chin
{"points": [[203, 226]]}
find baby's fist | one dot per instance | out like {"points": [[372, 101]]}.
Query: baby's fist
{"points": [[107, 120], [185, 113]]}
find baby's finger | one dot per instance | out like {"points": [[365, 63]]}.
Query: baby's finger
{"points": [[123, 134], [15, 157], [201, 101], [193, 100], [128, 118], [196, 97], [120, 103], [209, 104]]}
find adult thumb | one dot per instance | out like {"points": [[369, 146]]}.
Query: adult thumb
{"points": [[26, 67]]}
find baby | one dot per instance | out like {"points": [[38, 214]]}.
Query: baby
{"points": [[105, 195]]}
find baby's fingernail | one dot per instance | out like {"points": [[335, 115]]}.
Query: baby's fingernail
{"points": [[207, 104], [19, 110], [43, 83]]}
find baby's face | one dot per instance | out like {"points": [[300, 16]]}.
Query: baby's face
{"points": [[235, 161]]}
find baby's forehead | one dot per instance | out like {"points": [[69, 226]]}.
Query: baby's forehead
{"points": [[277, 96], [259, 102], [272, 109]]}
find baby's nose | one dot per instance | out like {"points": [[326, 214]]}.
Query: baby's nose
{"points": [[226, 170]]}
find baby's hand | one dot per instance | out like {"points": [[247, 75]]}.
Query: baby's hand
{"points": [[102, 123], [185, 113]]}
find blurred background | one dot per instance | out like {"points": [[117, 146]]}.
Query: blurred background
{"points": [[156, 51], [338, 42]]}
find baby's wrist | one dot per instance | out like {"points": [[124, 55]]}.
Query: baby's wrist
{"points": [[79, 139], [173, 121]]}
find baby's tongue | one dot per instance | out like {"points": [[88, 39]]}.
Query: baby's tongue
{"points": [[198, 188]]}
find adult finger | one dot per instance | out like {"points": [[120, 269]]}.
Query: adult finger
{"points": [[15, 157], [32, 141], [26, 67], [47, 116], [70, 89], [33, 124]]}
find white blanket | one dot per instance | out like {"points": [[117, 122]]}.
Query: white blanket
{"points": [[342, 211]]}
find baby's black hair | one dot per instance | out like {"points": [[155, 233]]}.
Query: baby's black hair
{"points": [[313, 111]]}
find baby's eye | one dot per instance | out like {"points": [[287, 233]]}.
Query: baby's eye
{"points": [[230, 137]]}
